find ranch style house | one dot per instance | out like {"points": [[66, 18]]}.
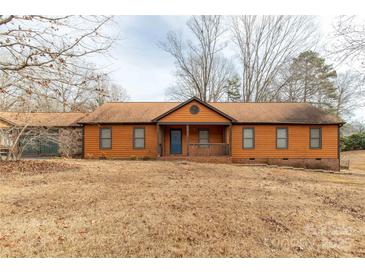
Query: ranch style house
{"points": [[292, 134]]}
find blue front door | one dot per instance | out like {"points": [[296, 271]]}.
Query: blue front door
{"points": [[175, 137]]}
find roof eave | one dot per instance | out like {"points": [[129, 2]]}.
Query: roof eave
{"points": [[125, 123], [289, 123]]}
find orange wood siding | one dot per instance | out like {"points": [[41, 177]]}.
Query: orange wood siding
{"points": [[265, 141], [216, 135], [298, 142], [183, 115], [122, 142]]}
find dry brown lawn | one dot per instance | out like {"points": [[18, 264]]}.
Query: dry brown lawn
{"points": [[178, 209], [357, 160]]}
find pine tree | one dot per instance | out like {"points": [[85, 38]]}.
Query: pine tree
{"points": [[233, 89], [312, 80]]}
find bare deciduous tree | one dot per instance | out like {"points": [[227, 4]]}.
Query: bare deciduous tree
{"points": [[39, 52], [201, 69], [106, 91], [25, 136], [42, 66], [82, 91], [265, 44], [350, 93], [94, 89], [349, 38], [15, 139]]}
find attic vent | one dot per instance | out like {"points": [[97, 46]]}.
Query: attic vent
{"points": [[194, 109]]}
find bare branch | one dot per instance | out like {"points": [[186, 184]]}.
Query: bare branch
{"points": [[265, 44], [201, 69]]}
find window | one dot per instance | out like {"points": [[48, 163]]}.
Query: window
{"points": [[315, 138], [248, 138], [194, 109], [203, 137], [138, 137], [105, 138], [282, 138]]}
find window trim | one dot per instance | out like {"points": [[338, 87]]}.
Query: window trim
{"points": [[134, 138], [100, 138], [253, 138], [287, 138], [201, 144], [320, 138]]}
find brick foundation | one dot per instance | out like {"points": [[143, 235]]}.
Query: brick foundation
{"points": [[329, 164]]}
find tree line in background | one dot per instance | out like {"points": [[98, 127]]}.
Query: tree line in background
{"points": [[44, 63], [274, 60], [355, 141]]}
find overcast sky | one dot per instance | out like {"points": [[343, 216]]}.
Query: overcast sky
{"points": [[140, 66], [145, 70]]}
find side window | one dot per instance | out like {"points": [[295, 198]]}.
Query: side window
{"points": [[282, 138], [105, 138], [138, 138], [248, 138], [315, 138], [203, 137]]}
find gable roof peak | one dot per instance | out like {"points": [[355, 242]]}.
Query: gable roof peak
{"points": [[194, 98]]}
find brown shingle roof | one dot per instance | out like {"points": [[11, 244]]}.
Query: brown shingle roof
{"points": [[138, 112], [46, 119], [128, 112], [290, 113]]}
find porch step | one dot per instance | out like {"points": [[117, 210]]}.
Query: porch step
{"points": [[198, 159]]}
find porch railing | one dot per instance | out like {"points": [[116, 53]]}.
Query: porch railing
{"points": [[210, 149]]}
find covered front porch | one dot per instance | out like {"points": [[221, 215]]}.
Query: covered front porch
{"points": [[187, 140]]}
